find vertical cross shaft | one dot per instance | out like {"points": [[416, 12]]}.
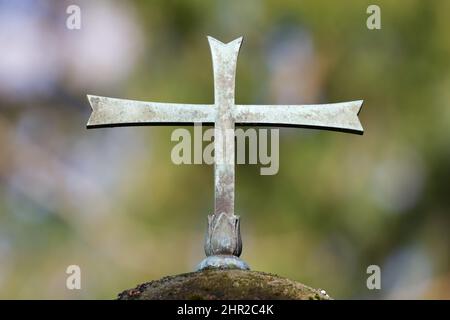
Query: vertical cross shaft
{"points": [[223, 243], [224, 57]]}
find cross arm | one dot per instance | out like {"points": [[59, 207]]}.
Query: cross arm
{"points": [[335, 116], [111, 112]]}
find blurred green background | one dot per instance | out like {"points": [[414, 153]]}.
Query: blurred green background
{"points": [[112, 202]]}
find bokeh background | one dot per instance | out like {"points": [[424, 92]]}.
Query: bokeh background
{"points": [[112, 202]]}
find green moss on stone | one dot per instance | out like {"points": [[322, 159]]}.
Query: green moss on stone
{"points": [[223, 284]]}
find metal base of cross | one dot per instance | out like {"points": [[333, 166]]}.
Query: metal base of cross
{"points": [[222, 262], [223, 244]]}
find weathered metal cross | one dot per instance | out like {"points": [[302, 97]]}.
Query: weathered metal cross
{"points": [[223, 243]]}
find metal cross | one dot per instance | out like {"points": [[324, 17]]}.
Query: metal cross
{"points": [[223, 243]]}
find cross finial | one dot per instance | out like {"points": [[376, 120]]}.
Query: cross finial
{"points": [[223, 244]]}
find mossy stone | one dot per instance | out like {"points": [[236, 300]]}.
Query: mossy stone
{"points": [[217, 284]]}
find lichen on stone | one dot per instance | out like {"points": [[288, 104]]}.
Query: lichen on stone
{"points": [[216, 284]]}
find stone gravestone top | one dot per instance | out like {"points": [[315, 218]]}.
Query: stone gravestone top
{"points": [[223, 240]]}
